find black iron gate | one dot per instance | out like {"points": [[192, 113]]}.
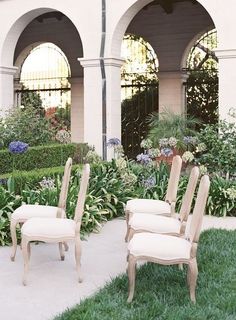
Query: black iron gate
{"points": [[139, 100]]}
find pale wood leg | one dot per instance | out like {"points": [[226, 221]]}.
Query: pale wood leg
{"points": [[61, 250], [181, 267], [127, 224], [131, 233], [25, 252], [13, 238], [193, 273], [78, 251], [66, 247], [131, 276]]}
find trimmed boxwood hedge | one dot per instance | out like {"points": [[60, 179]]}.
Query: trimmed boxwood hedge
{"points": [[31, 178], [47, 156]]}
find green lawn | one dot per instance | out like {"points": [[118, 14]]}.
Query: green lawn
{"points": [[161, 291]]}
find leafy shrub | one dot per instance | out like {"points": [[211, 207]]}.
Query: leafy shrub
{"points": [[220, 154], [47, 156], [25, 125]]}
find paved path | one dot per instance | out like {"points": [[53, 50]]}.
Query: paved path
{"points": [[52, 285]]}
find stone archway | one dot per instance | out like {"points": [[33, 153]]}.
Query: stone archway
{"points": [[35, 27]]}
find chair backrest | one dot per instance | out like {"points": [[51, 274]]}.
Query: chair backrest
{"points": [[79, 210], [173, 179], [196, 222], [189, 193], [65, 184]]}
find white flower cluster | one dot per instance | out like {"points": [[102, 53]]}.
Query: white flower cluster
{"points": [[47, 183], [154, 153], [129, 178], [201, 147], [146, 144], [121, 163], [187, 156], [172, 142], [231, 192], [63, 136], [203, 170]]}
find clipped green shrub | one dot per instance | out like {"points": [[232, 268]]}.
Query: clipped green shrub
{"points": [[47, 156]]}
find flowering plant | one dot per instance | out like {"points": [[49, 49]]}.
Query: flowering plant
{"points": [[146, 144], [187, 156], [18, 147], [63, 136], [115, 143], [47, 183], [143, 158]]}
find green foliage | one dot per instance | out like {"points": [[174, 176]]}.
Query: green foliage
{"points": [[31, 99], [108, 192], [46, 156], [25, 125], [161, 292], [202, 96], [220, 155], [168, 124]]}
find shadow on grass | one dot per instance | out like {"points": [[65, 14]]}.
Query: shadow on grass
{"points": [[161, 291]]}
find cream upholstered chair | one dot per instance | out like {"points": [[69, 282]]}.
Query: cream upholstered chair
{"points": [[174, 225], [151, 206], [170, 250], [56, 230], [27, 211]]}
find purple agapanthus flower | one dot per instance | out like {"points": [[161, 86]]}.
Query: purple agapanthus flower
{"points": [[190, 140], [149, 182], [167, 152], [143, 158], [113, 142], [18, 147]]}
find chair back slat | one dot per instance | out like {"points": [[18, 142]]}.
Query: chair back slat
{"points": [[199, 209], [189, 193], [65, 184], [79, 210], [174, 179]]}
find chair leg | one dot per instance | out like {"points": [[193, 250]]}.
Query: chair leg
{"points": [[78, 251], [26, 257], [14, 239], [66, 247], [61, 250], [127, 224], [192, 278], [131, 276], [181, 267]]}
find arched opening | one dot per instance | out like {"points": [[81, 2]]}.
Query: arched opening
{"points": [[168, 27], [33, 29], [202, 82], [139, 91], [46, 84]]}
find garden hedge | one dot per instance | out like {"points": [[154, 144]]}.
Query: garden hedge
{"points": [[19, 179], [47, 156]]}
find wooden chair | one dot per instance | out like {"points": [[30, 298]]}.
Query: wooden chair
{"points": [[56, 230], [27, 211], [170, 250], [174, 225], [151, 206]]}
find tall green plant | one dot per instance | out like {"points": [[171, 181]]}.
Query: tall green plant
{"points": [[168, 124]]}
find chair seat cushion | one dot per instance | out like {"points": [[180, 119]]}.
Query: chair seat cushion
{"points": [[159, 246], [49, 228], [148, 206], [27, 211], [155, 223]]}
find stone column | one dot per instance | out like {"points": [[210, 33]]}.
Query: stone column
{"points": [[172, 91], [77, 109], [113, 75], [92, 113], [227, 82], [6, 88], [93, 101]]}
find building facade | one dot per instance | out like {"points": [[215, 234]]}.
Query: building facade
{"points": [[90, 35]]}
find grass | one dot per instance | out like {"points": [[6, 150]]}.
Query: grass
{"points": [[161, 291]]}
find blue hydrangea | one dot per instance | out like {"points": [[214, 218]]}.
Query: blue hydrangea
{"points": [[143, 158], [18, 147], [167, 152], [113, 142]]}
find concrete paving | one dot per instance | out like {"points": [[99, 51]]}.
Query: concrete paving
{"points": [[52, 285]]}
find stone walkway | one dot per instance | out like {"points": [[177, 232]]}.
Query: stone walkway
{"points": [[52, 285]]}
